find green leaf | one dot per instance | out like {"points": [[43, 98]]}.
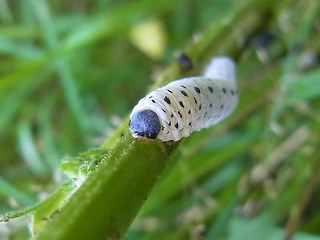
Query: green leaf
{"points": [[260, 228], [43, 211], [305, 87]]}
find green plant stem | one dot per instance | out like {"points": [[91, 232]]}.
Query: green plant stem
{"points": [[108, 201]]}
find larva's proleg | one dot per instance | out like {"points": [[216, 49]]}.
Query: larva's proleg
{"points": [[186, 105]]}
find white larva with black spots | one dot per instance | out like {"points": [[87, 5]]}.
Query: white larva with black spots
{"points": [[186, 105]]}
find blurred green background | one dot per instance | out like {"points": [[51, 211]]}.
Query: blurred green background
{"points": [[70, 71]]}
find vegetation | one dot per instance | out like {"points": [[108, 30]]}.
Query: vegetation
{"points": [[70, 73]]}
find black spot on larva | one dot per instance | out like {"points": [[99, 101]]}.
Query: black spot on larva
{"points": [[221, 106], [169, 124], [122, 134], [200, 107], [182, 86], [210, 89], [184, 93], [210, 105], [224, 90], [181, 104], [197, 89], [169, 91], [195, 100], [232, 92], [163, 110], [205, 115], [176, 126], [162, 127], [190, 123], [172, 115], [153, 101], [180, 115], [167, 100], [145, 123], [189, 111], [168, 132]]}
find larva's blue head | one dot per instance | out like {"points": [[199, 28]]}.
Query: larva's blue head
{"points": [[145, 123]]}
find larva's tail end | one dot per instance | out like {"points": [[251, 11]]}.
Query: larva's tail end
{"points": [[221, 67]]}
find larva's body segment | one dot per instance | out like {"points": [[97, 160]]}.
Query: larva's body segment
{"points": [[187, 105]]}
